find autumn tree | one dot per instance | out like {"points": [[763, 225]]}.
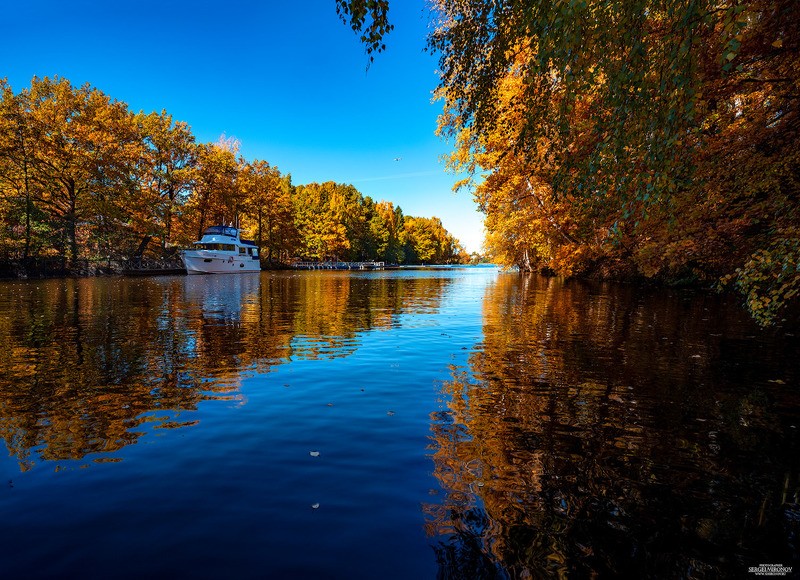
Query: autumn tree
{"points": [[17, 210], [216, 197], [319, 219], [83, 177], [81, 162], [167, 173], [268, 210], [427, 241], [386, 230], [670, 130], [527, 225], [641, 138]]}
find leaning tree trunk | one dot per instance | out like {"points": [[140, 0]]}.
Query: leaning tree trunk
{"points": [[526, 261]]}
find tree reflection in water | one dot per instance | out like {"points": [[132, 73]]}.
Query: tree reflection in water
{"points": [[90, 365], [599, 431]]}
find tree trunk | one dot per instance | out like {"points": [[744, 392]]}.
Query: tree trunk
{"points": [[258, 233], [167, 237], [526, 261], [71, 224], [270, 241], [28, 210], [201, 225]]}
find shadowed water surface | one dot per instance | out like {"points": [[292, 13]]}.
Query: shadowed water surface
{"points": [[457, 423]]}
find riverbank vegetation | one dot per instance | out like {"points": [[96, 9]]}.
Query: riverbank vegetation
{"points": [[82, 177], [626, 139]]}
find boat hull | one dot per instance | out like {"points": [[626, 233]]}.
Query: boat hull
{"points": [[203, 262]]}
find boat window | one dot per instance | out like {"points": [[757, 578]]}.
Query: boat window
{"points": [[218, 247], [242, 250], [220, 231]]}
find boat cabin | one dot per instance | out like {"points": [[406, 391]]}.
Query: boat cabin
{"points": [[221, 231]]}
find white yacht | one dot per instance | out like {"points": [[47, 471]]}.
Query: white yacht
{"points": [[221, 251]]}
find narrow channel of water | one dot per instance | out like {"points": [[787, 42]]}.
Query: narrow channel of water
{"points": [[454, 423]]}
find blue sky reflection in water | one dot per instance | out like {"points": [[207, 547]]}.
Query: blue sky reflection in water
{"points": [[226, 385], [390, 424]]}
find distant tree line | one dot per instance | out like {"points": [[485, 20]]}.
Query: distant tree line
{"points": [[83, 177]]}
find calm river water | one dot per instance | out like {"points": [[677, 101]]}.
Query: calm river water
{"points": [[454, 423]]}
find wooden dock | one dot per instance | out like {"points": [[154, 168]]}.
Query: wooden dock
{"points": [[139, 266], [363, 266]]}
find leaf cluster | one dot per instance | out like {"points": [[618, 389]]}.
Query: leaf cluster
{"points": [[633, 139], [369, 19]]}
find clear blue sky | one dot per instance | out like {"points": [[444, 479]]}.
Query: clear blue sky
{"points": [[287, 79]]}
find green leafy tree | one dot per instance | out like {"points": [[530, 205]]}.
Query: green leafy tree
{"points": [[319, 220], [386, 229], [354, 211], [369, 19], [426, 241]]}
